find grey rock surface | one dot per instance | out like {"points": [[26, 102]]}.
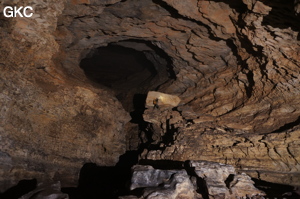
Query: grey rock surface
{"points": [[221, 182], [214, 175], [179, 186], [147, 176], [46, 191], [242, 186]]}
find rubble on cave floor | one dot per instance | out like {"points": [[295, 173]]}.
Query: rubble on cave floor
{"points": [[199, 180], [161, 180]]}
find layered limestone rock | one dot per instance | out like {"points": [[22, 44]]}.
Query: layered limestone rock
{"points": [[225, 54], [272, 157], [235, 67]]}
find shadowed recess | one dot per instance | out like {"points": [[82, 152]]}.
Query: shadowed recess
{"points": [[118, 67], [128, 68]]}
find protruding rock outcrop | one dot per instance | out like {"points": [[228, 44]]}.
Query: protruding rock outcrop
{"points": [[272, 157], [158, 99]]}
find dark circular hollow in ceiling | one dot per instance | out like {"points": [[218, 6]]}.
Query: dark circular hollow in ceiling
{"points": [[118, 67], [129, 68]]}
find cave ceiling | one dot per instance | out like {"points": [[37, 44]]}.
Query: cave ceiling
{"points": [[234, 65]]}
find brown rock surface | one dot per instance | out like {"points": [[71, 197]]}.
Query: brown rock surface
{"points": [[51, 124], [235, 68], [271, 157]]}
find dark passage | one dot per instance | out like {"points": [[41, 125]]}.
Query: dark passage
{"points": [[128, 68], [118, 67], [22, 188], [100, 182]]}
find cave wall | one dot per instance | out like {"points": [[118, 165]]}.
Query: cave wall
{"points": [[236, 64], [51, 123], [220, 51]]}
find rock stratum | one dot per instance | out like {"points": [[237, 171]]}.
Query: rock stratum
{"points": [[233, 64]]}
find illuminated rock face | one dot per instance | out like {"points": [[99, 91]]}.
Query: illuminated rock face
{"points": [[158, 99], [233, 64]]}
